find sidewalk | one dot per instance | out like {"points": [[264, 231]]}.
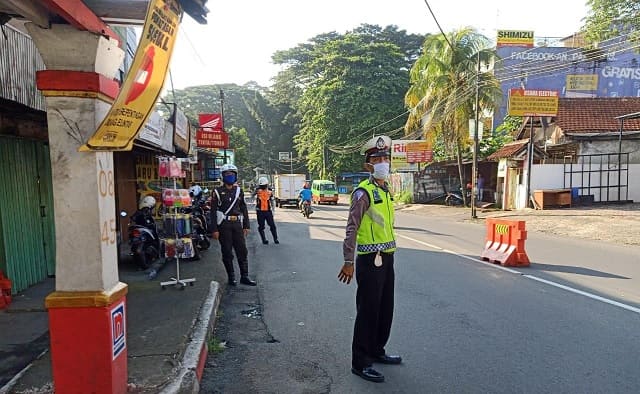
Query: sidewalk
{"points": [[167, 330]]}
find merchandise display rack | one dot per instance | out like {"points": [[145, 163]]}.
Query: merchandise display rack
{"points": [[176, 281]]}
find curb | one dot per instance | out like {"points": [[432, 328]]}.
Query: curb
{"points": [[189, 374]]}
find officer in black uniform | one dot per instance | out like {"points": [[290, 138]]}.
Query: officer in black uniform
{"points": [[230, 224]]}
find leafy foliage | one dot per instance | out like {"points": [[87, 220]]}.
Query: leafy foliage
{"points": [[444, 83], [254, 124], [609, 18], [340, 88]]}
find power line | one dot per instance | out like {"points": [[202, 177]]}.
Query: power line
{"points": [[438, 24]]}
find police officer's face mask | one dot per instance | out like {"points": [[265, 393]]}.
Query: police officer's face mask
{"points": [[381, 170], [229, 179]]}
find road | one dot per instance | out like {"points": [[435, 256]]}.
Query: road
{"points": [[569, 323]]}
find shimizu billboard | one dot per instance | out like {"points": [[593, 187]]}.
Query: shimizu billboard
{"points": [[533, 102], [143, 83], [520, 38]]}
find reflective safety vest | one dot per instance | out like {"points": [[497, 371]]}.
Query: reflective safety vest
{"points": [[263, 200], [375, 233]]}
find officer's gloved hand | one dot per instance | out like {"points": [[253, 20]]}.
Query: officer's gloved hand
{"points": [[346, 273]]}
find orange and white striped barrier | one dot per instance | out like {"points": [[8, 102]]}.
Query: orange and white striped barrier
{"points": [[505, 243]]}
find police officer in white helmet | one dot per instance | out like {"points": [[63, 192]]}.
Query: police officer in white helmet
{"points": [[230, 224], [370, 227]]}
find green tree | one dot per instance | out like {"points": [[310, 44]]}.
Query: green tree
{"points": [[247, 111], [610, 18], [342, 89], [444, 81]]}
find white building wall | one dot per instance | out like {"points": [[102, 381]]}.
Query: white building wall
{"points": [[552, 176]]}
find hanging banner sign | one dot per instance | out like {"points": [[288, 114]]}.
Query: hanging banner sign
{"points": [[532, 102], [142, 86], [212, 139], [210, 121], [419, 152]]}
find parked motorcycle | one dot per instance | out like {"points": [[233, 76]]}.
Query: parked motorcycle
{"points": [[143, 238], [199, 213], [455, 199]]}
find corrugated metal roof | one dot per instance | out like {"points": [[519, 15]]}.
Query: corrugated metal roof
{"points": [[19, 61]]}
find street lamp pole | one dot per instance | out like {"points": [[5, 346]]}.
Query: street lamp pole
{"points": [[222, 120], [474, 170]]}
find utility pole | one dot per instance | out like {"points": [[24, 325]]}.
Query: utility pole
{"points": [[529, 162], [474, 169], [291, 161], [222, 121], [324, 165]]}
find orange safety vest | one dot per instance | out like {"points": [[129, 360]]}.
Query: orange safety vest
{"points": [[263, 196]]}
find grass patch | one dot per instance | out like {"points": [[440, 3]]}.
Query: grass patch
{"points": [[215, 346]]}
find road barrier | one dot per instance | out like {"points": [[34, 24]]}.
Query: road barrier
{"points": [[505, 243]]}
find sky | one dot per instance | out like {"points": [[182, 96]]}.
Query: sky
{"points": [[236, 44]]}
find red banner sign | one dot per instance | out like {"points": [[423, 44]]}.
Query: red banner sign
{"points": [[212, 139], [210, 122]]}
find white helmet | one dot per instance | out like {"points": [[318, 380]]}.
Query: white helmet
{"points": [[263, 181], [147, 202], [229, 167], [195, 191], [377, 146]]}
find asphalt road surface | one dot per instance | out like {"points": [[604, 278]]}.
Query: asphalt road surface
{"points": [[567, 324]]}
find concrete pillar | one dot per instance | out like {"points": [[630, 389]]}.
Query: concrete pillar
{"points": [[87, 310]]}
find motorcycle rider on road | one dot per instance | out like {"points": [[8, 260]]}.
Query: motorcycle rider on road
{"points": [[304, 195]]}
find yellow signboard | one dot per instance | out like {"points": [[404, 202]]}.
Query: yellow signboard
{"points": [[532, 102], [143, 83], [587, 82], [521, 38]]}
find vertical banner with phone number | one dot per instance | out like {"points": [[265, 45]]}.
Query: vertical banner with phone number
{"points": [[144, 81]]}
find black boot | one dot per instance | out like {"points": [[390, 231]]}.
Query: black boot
{"points": [[232, 280], [246, 281], [275, 236], [264, 238]]}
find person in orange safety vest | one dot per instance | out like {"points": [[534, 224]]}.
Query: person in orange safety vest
{"points": [[264, 210]]}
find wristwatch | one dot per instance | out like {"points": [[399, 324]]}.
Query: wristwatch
{"points": [[347, 262]]}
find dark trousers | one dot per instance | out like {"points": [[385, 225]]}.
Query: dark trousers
{"points": [[268, 217], [374, 305], [232, 239]]}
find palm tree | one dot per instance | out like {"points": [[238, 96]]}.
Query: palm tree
{"points": [[443, 84]]}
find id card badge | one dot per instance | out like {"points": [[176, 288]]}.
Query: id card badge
{"points": [[378, 260]]}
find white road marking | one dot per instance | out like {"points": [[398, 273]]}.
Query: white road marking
{"points": [[545, 281]]}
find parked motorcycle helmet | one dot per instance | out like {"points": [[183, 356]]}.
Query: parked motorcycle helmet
{"points": [[228, 167], [195, 192], [263, 181], [147, 202]]}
